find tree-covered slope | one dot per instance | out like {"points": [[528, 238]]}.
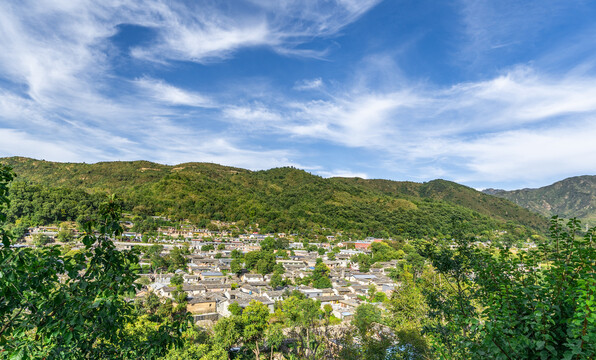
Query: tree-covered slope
{"points": [[454, 193], [281, 199], [571, 197]]}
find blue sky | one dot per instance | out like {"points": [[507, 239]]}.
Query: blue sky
{"points": [[486, 93]]}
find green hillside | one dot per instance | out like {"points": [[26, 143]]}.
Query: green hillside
{"points": [[281, 199], [454, 193], [572, 197]]}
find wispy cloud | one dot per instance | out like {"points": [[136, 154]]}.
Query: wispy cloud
{"points": [[255, 114], [522, 124], [63, 99], [309, 84], [507, 25], [203, 32], [160, 91]]}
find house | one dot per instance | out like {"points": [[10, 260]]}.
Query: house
{"points": [[191, 279], [217, 288], [163, 278], [334, 264], [331, 300], [193, 289], [274, 295], [343, 314], [243, 302], [345, 309], [201, 305], [362, 245], [212, 275], [359, 289], [341, 291], [387, 288], [362, 278], [252, 278], [311, 293]]}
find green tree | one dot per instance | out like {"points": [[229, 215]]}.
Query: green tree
{"points": [[364, 317], [407, 314], [255, 318], [158, 262], [276, 281], [76, 305], [236, 254], [235, 309], [236, 266], [274, 336], [65, 235], [80, 316], [40, 239], [302, 318], [535, 305], [320, 276], [207, 247], [152, 250], [227, 332], [176, 260], [372, 290], [177, 280], [266, 263], [251, 258]]}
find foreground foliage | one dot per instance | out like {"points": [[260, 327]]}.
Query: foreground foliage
{"points": [[70, 306], [504, 305]]}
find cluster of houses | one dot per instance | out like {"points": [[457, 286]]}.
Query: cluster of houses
{"points": [[196, 237], [211, 288]]}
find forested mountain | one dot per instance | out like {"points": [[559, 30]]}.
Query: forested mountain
{"points": [[454, 193], [280, 199], [571, 197]]}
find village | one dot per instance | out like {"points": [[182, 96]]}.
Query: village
{"points": [[211, 286]]}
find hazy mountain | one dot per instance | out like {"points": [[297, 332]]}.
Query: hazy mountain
{"points": [[572, 197]]}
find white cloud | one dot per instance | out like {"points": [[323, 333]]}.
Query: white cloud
{"points": [[358, 120], [522, 125], [530, 155], [169, 94], [202, 32], [201, 40], [61, 99], [256, 114], [19, 143], [311, 84]]}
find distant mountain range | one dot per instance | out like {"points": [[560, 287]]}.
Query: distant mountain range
{"points": [[571, 197], [280, 199]]}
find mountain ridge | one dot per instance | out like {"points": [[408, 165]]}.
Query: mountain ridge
{"points": [[283, 198], [571, 197]]}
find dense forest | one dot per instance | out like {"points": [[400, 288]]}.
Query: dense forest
{"points": [[278, 200]]}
